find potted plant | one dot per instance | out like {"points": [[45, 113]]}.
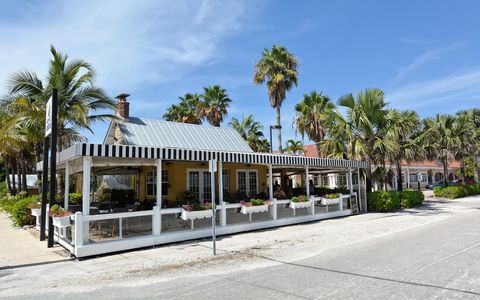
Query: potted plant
{"points": [[196, 211], [61, 217], [36, 209], [330, 199], [254, 206], [300, 201]]}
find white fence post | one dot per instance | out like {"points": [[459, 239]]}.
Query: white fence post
{"points": [[78, 229], [156, 221]]}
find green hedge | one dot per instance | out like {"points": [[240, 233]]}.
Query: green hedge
{"points": [[385, 201], [456, 191], [21, 214]]}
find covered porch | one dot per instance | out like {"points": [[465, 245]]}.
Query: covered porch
{"points": [[125, 205]]}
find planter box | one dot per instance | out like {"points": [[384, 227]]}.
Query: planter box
{"points": [[61, 222], [36, 212], [297, 205], [195, 214], [326, 201], [246, 210]]}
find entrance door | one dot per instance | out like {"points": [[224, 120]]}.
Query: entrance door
{"points": [[199, 183]]}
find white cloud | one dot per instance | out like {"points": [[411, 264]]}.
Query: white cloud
{"points": [[421, 60], [128, 42], [453, 90]]}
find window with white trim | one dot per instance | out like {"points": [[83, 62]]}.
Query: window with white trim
{"points": [[152, 183], [315, 180], [199, 183], [354, 179], [247, 182], [342, 180], [325, 181]]}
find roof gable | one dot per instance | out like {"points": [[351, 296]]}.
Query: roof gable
{"points": [[155, 133]]}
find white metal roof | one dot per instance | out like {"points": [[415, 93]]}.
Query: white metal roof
{"points": [[155, 133]]}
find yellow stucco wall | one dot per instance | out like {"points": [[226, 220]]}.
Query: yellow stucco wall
{"points": [[177, 177]]}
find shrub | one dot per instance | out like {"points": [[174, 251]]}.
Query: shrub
{"points": [[411, 198], [300, 198], [456, 191], [3, 189], [385, 201], [21, 213]]}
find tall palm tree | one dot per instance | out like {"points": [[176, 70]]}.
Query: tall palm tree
{"points": [[361, 134], [263, 145], [78, 98], [467, 145], [251, 131], [439, 139], [187, 111], [214, 105], [278, 68], [403, 131], [294, 147], [311, 116]]}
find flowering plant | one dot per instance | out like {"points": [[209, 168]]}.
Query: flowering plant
{"points": [[255, 202], [34, 205], [332, 196], [197, 206], [300, 198], [58, 212]]}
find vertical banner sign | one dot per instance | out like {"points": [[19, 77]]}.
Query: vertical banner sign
{"points": [[213, 168], [48, 131]]}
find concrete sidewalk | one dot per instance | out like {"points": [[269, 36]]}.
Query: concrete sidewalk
{"points": [[18, 247]]}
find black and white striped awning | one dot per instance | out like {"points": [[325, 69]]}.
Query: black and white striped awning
{"points": [[141, 152]]}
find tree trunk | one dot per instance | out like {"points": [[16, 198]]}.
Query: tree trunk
{"points": [[279, 130], [445, 171], [24, 174], [368, 173], [14, 174], [7, 173], [475, 170], [399, 176], [462, 170]]}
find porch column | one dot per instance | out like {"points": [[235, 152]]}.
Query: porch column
{"points": [[86, 185], [223, 209], [67, 185], [350, 185], [359, 191], [159, 183], [307, 182], [157, 216], [365, 193], [270, 192]]}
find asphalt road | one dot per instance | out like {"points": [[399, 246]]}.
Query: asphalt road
{"points": [[439, 260], [436, 260]]}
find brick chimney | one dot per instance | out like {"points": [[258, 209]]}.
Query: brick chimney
{"points": [[123, 106]]}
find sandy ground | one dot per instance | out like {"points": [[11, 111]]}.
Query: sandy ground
{"points": [[248, 251]]}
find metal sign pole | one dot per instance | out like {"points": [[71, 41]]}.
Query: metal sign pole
{"points": [[53, 164], [44, 189], [213, 169]]}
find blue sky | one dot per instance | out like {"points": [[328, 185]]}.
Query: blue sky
{"points": [[424, 54]]}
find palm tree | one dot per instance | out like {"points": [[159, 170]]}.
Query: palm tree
{"points": [[311, 116], [77, 96], [278, 68], [263, 145], [467, 145], [403, 132], [439, 138], [361, 134], [187, 111], [215, 104], [251, 131], [294, 147]]}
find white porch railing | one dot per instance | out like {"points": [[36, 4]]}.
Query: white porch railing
{"points": [[103, 233]]}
